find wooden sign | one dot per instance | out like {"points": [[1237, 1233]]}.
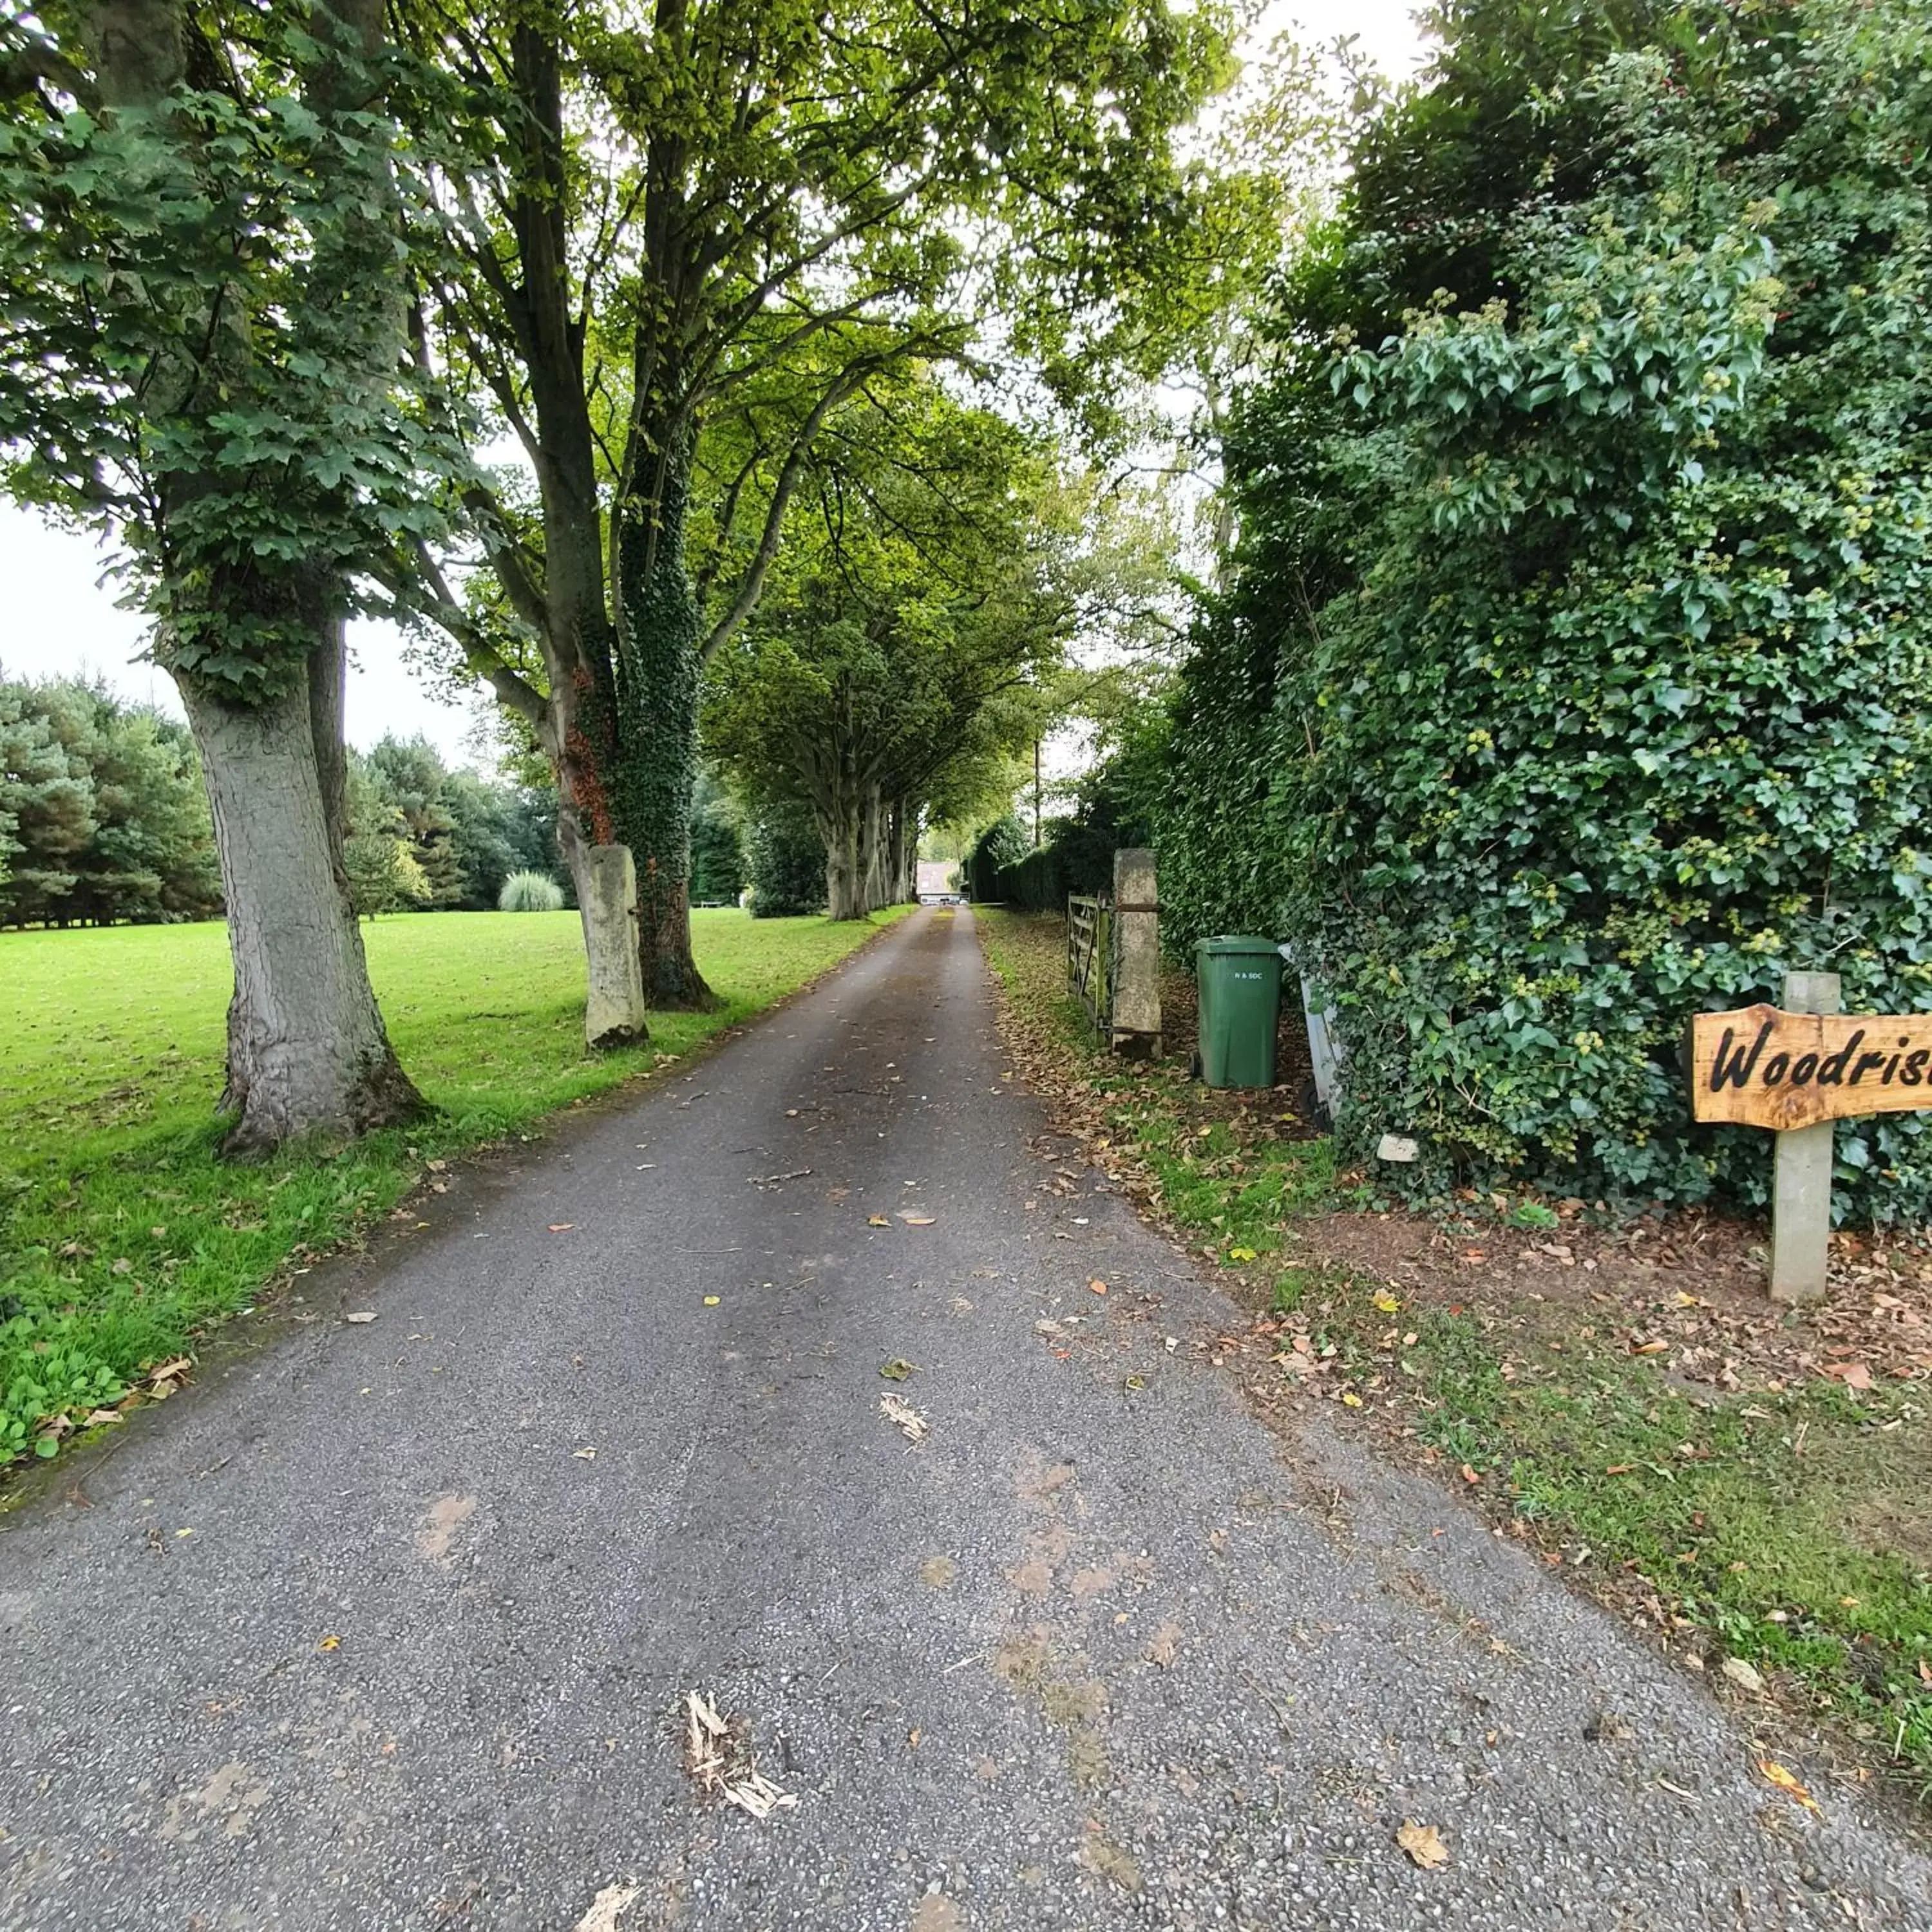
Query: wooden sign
{"points": [[1762, 1067]]}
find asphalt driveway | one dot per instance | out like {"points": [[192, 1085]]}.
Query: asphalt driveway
{"points": [[388, 1624]]}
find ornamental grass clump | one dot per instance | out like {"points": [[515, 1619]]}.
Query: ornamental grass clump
{"points": [[530, 892]]}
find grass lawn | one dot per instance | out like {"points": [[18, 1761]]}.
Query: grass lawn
{"points": [[1777, 1521], [123, 1239]]}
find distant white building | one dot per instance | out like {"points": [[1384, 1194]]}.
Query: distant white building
{"points": [[935, 875]]}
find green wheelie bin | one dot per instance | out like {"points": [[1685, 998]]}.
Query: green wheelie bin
{"points": [[1239, 981]]}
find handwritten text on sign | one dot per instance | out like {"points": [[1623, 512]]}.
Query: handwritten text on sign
{"points": [[1765, 1068]]}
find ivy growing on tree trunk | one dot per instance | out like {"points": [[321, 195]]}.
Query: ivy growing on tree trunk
{"points": [[728, 216]]}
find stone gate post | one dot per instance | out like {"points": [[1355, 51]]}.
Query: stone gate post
{"points": [[1135, 1029]]}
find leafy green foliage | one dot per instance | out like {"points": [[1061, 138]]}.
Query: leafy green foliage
{"points": [[785, 858], [383, 871], [1613, 707], [200, 294], [1002, 845], [906, 627], [718, 866]]}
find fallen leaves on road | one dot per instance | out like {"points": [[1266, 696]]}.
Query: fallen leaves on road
{"points": [[331, 1642], [1096, 1286], [1776, 1773], [605, 1909], [584, 1455], [878, 1221], [718, 1758], [1423, 1844], [916, 1220], [561, 1227], [906, 1419], [168, 1373], [898, 1369], [712, 1301], [361, 1317]]}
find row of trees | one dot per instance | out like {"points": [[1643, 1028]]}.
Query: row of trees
{"points": [[1571, 675], [104, 819], [277, 275], [904, 647], [421, 836]]}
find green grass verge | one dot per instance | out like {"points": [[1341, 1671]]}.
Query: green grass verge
{"points": [[1788, 1527], [123, 1239]]}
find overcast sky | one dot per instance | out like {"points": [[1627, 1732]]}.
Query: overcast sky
{"points": [[57, 620]]}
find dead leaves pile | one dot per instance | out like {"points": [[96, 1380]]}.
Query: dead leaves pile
{"points": [[718, 1760], [1687, 1293], [1875, 1327]]}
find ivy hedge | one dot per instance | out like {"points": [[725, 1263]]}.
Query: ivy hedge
{"points": [[1577, 673], [1076, 855]]}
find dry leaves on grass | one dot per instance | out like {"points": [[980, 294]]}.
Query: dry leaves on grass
{"points": [[906, 1419], [718, 1759], [1423, 1844], [1687, 1292]]}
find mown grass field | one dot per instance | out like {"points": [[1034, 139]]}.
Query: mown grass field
{"points": [[1781, 1524], [123, 1239]]}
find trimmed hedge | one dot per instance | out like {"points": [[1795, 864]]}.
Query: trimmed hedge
{"points": [[1619, 702]]}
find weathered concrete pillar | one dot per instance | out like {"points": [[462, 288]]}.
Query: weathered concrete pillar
{"points": [[1135, 1029], [1800, 1207], [614, 1007]]}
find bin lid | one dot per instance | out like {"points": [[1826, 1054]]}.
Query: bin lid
{"points": [[1237, 944]]}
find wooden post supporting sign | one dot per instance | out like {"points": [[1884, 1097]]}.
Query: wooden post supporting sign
{"points": [[1800, 1199], [1795, 1069]]}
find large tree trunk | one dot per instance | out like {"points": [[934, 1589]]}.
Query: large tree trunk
{"points": [[576, 731], [308, 1054], [897, 873], [844, 874], [656, 776], [871, 851]]}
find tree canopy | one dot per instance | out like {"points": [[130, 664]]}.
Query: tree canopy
{"points": [[900, 646]]}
